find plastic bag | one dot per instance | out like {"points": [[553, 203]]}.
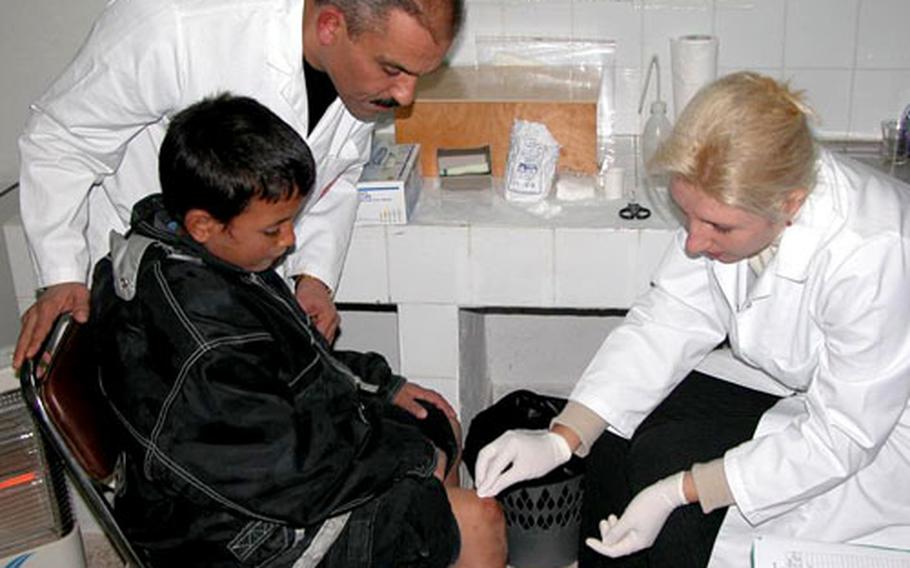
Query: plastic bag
{"points": [[518, 409], [531, 165]]}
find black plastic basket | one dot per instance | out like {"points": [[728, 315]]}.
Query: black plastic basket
{"points": [[542, 515], [542, 523]]}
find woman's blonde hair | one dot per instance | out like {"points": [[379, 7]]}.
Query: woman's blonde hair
{"points": [[743, 140]]}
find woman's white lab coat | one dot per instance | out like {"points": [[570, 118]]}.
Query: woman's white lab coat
{"points": [[830, 319], [102, 121]]}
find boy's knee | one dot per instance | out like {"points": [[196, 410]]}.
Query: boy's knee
{"points": [[492, 515], [466, 503], [482, 524]]}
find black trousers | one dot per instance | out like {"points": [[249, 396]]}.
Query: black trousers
{"points": [[700, 420], [411, 525]]}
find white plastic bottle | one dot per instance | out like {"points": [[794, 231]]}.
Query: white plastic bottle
{"points": [[657, 129]]}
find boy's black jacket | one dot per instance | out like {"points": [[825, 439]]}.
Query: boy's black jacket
{"points": [[241, 425]]}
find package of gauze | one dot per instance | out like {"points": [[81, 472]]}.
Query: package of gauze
{"points": [[531, 166]]}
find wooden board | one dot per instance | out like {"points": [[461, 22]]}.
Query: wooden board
{"points": [[469, 107]]}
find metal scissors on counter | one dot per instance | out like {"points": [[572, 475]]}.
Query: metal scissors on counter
{"points": [[634, 211]]}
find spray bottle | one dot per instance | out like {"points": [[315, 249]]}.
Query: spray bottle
{"points": [[657, 126], [655, 131]]}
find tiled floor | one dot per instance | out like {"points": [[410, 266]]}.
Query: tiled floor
{"points": [[98, 553]]}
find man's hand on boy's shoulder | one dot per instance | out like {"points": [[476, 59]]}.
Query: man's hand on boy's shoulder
{"points": [[71, 297], [410, 393], [316, 300]]}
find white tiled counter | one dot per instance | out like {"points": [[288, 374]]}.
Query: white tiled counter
{"points": [[467, 254]]}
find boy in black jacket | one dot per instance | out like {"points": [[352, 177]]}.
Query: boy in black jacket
{"points": [[250, 442]]}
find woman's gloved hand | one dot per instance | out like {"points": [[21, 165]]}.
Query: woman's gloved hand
{"points": [[642, 520], [531, 453]]}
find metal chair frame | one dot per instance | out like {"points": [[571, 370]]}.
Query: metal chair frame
{"points": [[68, 345]]}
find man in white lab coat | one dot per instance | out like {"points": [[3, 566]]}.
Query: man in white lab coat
{"points": [[801, 260], [89, 150]]}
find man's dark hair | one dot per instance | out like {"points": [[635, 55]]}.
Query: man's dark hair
{"points": [[222, 152], [363, 15]]}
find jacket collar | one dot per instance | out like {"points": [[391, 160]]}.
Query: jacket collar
{"points": [[151, 221]]}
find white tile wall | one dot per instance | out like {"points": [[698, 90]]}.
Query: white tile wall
{"points": [[24, 280], [829, 92], [448, 388], [620, 21], [481, 19], [543, 19], [883, 35], [651, 248], [821, 33], [512, 268], [429, 264], [365, 278], [752, 35], [428, 336], [851, 56], [877, 94], [587, 262]]}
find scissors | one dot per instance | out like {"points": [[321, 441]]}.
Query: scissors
{"points": [[634, 211]]}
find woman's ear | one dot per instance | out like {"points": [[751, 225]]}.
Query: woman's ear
{"points": [[793, 201], [200, 225]]}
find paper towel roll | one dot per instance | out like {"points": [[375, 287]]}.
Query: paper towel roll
{"points": [[693, 59]]}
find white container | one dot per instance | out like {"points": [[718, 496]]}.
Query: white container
{"points": [[657, 129], [389, 186]]}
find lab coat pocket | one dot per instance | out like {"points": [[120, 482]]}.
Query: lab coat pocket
{"points": [[765, 339]]}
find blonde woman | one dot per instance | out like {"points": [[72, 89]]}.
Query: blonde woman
{"points": [[800, 260]]}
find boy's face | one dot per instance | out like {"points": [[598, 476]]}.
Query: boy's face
{"points": [[256, 238]]}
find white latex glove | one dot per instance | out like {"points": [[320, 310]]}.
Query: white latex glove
{"points": [[531, 453], [642, 520]]}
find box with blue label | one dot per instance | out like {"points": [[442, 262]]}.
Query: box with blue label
{"points": [[389, 185]]}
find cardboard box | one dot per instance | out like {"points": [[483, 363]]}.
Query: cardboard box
{"points": [[464, 169], [389, 186], [464, 107]]}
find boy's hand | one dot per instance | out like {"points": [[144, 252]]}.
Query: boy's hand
{"points": [[410, 393], [316, 300], [72, 297]]}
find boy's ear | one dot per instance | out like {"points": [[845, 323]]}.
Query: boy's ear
{"points": [[200, 225]]}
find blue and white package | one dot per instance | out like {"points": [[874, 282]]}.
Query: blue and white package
{"points": [[531, 166]]}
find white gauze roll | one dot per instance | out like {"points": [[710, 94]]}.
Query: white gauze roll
{"points": [[693, 59]]}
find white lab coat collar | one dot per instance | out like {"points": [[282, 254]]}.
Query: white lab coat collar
{"points": [[287, 56], [819, 218]]}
